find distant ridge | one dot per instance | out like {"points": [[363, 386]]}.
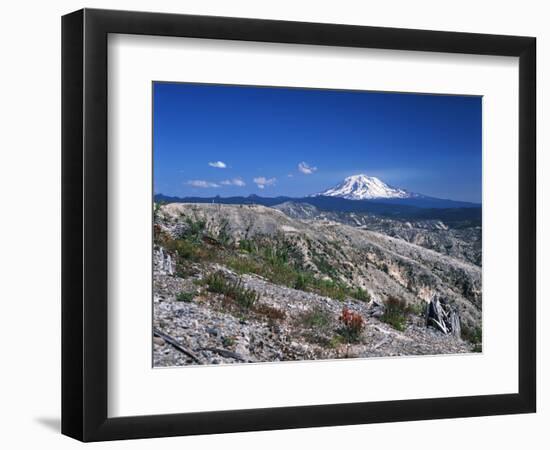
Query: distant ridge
{"points": [[404, 208], [357, 193]]}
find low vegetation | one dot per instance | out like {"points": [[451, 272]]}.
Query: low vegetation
{"points": [[208, 253], [186, 297], [395, 313], [228, 341], [361, 294], [217, 283], [276, 259], [352, 325], [316, 318], [195, 230], [418, 309], [317, 327], [271, 313], [278, 269], [473, 336]]}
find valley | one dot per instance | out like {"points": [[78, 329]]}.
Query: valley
{"points": [[254, 283]]}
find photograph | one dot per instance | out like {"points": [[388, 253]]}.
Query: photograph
{"points": [[294, 224], [261, 225]]}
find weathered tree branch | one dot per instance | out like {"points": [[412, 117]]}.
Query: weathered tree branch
{"points": [[170, 340]]}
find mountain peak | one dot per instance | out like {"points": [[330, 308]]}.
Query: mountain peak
{"points": [[364, 187]]}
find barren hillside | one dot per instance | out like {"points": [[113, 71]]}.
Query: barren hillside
{"points": [[251, 283]]}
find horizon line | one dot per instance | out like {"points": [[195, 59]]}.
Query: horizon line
{"points": [[308, 196]]}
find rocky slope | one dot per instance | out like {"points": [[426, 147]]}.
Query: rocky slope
{"points": [[237, 283], [459, 239]]}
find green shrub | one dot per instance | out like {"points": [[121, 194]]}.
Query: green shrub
{"points": [[331, 288], [216, 283], [268, 261], [395, 313], [247, 245], [301, 282], [361, 294], [418, 309], [335, 341], [316, 326], [316, 318], [187, 249], [276, 256], [244, 265], [473, 336], [228, 341], [223, 234], [156, 209], [195, 229], [280, 273], [186, 297], [234, 290], [323, 265]]}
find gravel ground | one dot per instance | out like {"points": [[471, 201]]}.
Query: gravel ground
{"points": [[213, 332]]}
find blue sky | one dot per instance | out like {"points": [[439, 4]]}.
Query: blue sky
{"points": [[213, 140]]}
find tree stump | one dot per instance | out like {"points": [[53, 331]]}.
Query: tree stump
{"points": [[443, 317]]}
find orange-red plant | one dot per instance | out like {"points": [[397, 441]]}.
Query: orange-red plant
{"points": [[353, 324]]}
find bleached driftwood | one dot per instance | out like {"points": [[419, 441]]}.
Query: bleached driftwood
{"points": [[443, 317], [174, 343]]}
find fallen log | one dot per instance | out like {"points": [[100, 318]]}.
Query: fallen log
{"points": [[174, 343]]}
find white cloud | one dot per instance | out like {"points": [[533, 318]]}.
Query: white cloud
{"points": [[233, 182], [218, 164], [262, 182], [306, 169], [202, 184], [290, 175]]}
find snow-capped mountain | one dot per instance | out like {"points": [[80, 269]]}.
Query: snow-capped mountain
{"points": [[363, 187]]}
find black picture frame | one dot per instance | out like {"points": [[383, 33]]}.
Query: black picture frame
{"points": [[84, 224]]}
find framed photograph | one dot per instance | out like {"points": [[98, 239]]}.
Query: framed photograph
{"points": [[273, 224]]}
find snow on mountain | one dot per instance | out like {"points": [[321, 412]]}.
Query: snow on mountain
{"points": [[363, 187]]}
